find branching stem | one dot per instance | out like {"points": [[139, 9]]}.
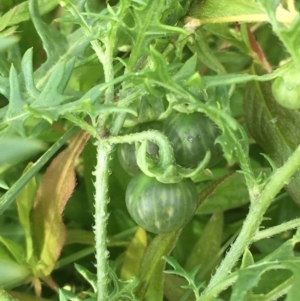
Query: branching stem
{"points": [[252, 222]]}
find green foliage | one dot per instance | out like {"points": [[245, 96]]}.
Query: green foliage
{"points": [[79, 70]]}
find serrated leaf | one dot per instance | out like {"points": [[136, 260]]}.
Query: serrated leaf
{"points": [[190, 276], [15, 115], [204, 52], [57, 46], [282, 258], [273, 127], [151, 271], [123, 289], [147, 26], [249, 278], [54, 191], [51, 97], [134, 255], [24, 204]]}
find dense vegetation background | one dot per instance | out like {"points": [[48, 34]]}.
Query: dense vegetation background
{"points": [[77, 77]]}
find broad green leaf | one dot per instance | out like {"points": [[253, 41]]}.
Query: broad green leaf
{"points": [[21, 12], [15, 249], [14, 150], [12, 273], [205, 251], [186, 71], [224, 10], [134, 255], [151, 271], [227, 193], [273, 127], [7, 42], [54, 191], [24, 204]]}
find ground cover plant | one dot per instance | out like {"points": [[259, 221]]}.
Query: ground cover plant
{"points": [[149, 150]]}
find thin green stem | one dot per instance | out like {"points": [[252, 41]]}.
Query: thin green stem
{"points": [[277, 229], [15, 189], [74, 257], [253, 220], [101, 216], [81, 123]]}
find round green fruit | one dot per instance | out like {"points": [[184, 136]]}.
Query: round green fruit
{"points": [[126, 152], [160, 207], [286, 93], [191, 136]]}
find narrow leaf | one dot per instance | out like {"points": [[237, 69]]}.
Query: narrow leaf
{"points": [[207, 248], [24, 204], [134, 255], [151, 272], [15, 250], [54, 191]]}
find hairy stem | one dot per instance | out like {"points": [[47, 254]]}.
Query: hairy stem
{"points": [[101, 199], [253, 220]]}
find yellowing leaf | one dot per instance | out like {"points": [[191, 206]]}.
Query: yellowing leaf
{"points": [[134, 255], [24, 204], [54, 191]]}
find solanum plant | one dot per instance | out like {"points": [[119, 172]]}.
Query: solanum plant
{"points": [[179, 178]]}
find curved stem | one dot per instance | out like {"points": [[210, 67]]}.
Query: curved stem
{"points": [[166, 153], [253, 220]]}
